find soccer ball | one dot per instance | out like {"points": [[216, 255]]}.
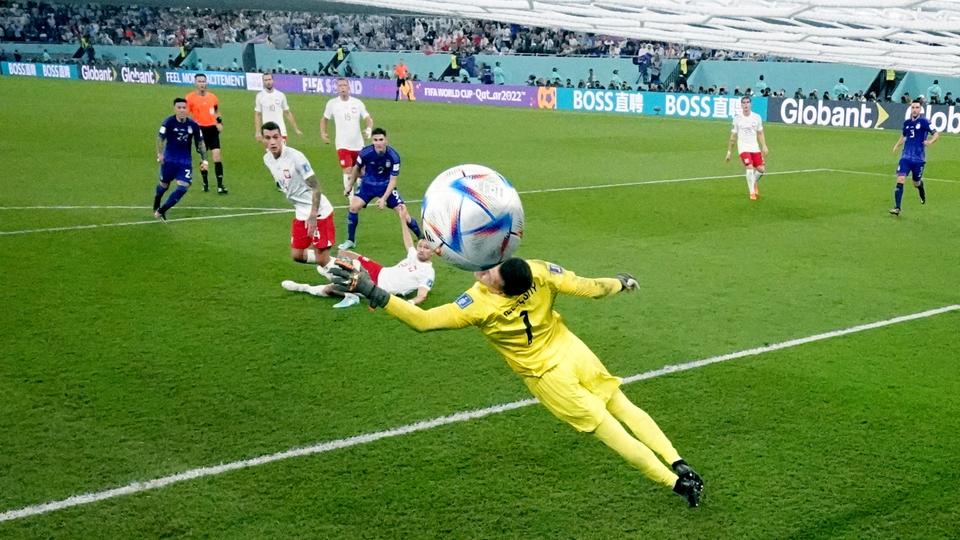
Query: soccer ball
{"points": [[472, 216]]}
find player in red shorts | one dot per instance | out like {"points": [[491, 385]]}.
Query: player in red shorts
{"points": [[413, 274], [751, 145], [347, 112], [312, 227]]}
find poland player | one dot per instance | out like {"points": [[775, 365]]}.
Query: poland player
{"points": [[269, 106], [347, 112], [751, 145], [414, 274], [313, 223]]}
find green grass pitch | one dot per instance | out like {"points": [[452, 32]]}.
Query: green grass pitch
{"points": [[140, 351]]}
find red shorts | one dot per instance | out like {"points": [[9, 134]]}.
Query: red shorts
{"points": [[752, 158], [322, 239], [348, 158], [371, 266]]}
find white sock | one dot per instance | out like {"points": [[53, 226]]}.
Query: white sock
{"points": [[346, 181], [751, 180], [311, 256], [324, 270], [318, 290]]}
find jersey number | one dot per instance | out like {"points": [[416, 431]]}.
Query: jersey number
{"points": [[527, 326]]}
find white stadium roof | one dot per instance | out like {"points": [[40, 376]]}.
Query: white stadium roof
{"points": [[909, 35]]}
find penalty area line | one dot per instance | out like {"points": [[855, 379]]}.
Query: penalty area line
{"points": [[462, 416]]}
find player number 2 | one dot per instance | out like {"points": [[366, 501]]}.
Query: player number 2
{"points": [[527, 326]]}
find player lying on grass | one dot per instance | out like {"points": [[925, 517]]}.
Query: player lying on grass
{"points": [[413, 274], [512, 304]]}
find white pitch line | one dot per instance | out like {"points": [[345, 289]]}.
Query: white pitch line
{"points": [[890, 175], [462, 416], [131, 207], [664, 181], [145, 222], [270, 211]]}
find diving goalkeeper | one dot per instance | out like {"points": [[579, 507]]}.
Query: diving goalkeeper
{"points": [[512, 304]]}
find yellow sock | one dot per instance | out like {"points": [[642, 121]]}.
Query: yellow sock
{"points": [[613, 435], [643, 427]]}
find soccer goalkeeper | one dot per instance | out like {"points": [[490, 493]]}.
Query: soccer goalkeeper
{"points": [[512, 304]]}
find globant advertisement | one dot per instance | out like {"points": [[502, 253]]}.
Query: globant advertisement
{"points": [[704, 106], [858, 114], [125, 74]]}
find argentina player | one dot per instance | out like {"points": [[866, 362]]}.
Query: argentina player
{"points": [[175, 138]]}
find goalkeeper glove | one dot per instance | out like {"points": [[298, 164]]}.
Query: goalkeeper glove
{"points": [[627, 281], [346, 279]]}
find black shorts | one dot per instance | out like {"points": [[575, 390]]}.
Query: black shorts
{"points": [[401, 82], [211, 137]]}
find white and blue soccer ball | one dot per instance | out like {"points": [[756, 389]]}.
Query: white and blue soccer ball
{"points": [[472, 217]]}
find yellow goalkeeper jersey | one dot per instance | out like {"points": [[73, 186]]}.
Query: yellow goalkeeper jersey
{"points": [[524, 329]]}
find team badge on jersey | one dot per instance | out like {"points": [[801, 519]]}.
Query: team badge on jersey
{"points": [[554, 269], [286, 174], [463, 301]]}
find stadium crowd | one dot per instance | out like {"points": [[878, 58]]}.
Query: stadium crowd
{"points": [[96, 24], [174, 26]]}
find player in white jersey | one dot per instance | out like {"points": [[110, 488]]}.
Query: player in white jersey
{"points": [[751, 145], [347, 112], [413, 274], [313, 223], [269, 106]]}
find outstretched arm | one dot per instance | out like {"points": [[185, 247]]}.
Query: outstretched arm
{"points": [[448, 316], [445, 317], [567, 282], [422, 293], [405, 231]]}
